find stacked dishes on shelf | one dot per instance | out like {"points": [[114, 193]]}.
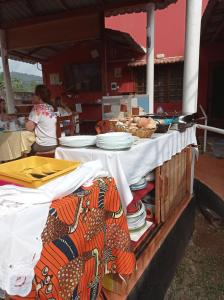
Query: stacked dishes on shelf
{"points": [[141, 184], [114, 141], [78, 141], [136, 221]]}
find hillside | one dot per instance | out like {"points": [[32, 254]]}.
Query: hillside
{"points": [[23, 82]]}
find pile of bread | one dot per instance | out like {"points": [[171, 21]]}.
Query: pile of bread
{"points": [[138, 126]]}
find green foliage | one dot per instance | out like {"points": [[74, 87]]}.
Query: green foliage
{"points": [[22, 82]]}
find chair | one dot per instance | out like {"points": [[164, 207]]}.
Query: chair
{"points": [[104, 126], [65, 125]]}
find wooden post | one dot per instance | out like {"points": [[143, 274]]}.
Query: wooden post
{"points": [[10, 105], [103, 56]]}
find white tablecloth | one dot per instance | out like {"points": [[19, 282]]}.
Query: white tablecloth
{"points": [[129, 166]]}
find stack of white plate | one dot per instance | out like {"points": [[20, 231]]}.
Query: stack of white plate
{"points": [[141, 184], [78, 141], [115, 140], [137, 220]]}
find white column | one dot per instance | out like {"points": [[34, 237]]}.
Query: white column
{"points": [[150, 55], [10, 105], [191, 57]]}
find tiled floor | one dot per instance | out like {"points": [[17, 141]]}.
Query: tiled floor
{"points": [[210, 171]]}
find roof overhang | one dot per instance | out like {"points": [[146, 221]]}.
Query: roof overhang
{"points": [[158, 61], [32, 25], [212, 26]]}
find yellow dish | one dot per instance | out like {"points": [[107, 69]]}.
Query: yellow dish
{"points": [[35, 171]]}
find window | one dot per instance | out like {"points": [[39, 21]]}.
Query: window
{"points": [[168, 82]]}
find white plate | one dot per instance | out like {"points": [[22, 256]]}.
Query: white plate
{"points": [[114, 147], [110, 135], [78, 141]]}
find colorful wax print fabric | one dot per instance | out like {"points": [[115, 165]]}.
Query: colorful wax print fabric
{"points": [[85, 237]]}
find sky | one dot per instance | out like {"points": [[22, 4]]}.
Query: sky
{"points": [[17, 66]]}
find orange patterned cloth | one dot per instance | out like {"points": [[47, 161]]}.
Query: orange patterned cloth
{"points": [[85, 237]]}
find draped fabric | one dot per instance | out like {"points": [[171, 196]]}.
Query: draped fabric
{"points": [[85, 237]]}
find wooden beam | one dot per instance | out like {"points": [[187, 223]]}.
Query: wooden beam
{"points": [[10, 103], [26, 57], [34, 50], [54, 32]]}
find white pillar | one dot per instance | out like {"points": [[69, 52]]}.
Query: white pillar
{"points": [[150, 55], [191, 57], [10, 105]]}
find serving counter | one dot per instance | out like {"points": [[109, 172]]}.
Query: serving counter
{"points": [[86, 235], [170, 156]]}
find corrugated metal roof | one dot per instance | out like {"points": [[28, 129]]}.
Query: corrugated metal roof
{"points": [[165, 60], [13, 12], [124, 38], [42, 54]]}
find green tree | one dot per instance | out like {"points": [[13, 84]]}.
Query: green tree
{"points": [[2, 86], [17, 85]]}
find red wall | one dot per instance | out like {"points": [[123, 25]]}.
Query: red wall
{"points": [[169, 28], [82, 54]]}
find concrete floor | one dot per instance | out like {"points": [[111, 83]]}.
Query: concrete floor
{"points": [[210, 171]]}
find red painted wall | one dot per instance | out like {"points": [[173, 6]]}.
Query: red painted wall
{"points": [[169, 28], [82, 54]]}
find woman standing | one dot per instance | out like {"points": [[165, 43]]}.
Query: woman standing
{"points": [[42, 120]]}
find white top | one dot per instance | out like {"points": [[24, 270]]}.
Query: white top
{"points": [[45, 118], [129, 166]]}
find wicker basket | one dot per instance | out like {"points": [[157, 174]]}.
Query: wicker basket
{"points": [[144, 133]]}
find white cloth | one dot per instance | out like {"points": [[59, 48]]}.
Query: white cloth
{"points": [[45, 118], [129, 166], [23, 215]]}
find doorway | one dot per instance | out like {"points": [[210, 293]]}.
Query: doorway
{"points": [[216, 95]]}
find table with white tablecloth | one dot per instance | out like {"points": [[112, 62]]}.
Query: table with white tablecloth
{"points": [[14, 143], [129, 166]]}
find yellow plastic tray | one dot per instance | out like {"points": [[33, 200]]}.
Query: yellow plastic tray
{"points": [[35, 171]]}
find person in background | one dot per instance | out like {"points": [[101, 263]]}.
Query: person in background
{"points": [[62, 108], [3, 114], [42, 120]]}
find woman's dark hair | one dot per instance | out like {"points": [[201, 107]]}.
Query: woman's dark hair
{"points": [[45, 95]]}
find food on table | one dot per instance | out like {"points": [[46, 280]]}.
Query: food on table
{"points": [[141, 127]]}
